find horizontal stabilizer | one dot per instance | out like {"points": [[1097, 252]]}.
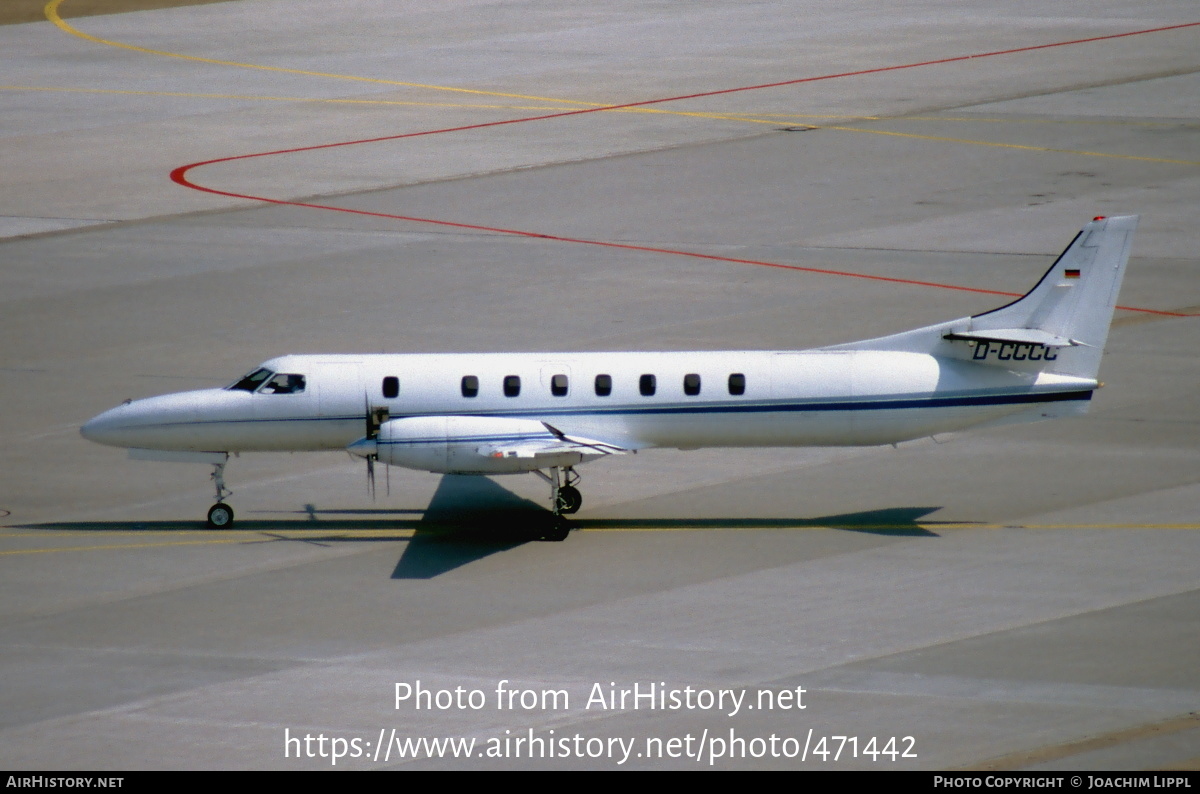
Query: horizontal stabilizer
{"points": [[1031, 336]]}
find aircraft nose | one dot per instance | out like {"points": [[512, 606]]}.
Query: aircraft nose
{"points": [[190, 420], [106, 428]]}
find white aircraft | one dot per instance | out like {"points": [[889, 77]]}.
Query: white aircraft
{"points": [[504, 413]]}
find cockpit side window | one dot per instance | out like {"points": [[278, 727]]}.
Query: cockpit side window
{"points": [[251, 381], [284, 384]]}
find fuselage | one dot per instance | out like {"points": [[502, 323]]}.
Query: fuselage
{"points": [[507, 413], [669, 399]]}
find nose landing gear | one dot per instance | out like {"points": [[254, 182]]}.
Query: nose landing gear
{"points": [[220, 515]]}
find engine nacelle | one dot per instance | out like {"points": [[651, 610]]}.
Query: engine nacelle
{"points": [[469, 445]]}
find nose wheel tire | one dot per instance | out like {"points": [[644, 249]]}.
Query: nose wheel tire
{"points": [[220, 516]]}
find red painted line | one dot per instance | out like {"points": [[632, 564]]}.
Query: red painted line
{"points": [[655, 250], [604, 243], [180, 174]]}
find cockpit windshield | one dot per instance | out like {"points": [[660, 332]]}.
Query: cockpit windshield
{"points": [[284, 384], [252, 381], [264, 381]]}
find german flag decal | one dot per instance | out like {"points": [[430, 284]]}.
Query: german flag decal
{"points": [[1071, 273]]}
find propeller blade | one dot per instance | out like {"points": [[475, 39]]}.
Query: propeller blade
{"points": [[370, 434], [371, 476]]}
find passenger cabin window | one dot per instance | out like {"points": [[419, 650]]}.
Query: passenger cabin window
{"points": [[284, 384], [251, 381], [559, 385], [512, 385], [470, 386], [737, 383], [391, 387], [691, 384], [647, 385], [603, 385]]}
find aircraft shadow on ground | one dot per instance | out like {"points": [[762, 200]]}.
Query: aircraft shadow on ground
{"points": [[470, 518]]}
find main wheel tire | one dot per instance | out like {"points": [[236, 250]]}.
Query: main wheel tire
{"points": [[569, 499], [220, 516]]}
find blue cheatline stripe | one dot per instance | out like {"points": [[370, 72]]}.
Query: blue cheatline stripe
{"points": [[815, 405]]}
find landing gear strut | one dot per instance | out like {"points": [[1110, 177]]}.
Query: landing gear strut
{"points": [[564, 498], [220, 515]]}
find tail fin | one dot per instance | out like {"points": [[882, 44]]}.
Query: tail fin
{"points": [[1059, 326]]}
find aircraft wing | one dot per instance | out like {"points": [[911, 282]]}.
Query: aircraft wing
{"points": [[552, 446]]}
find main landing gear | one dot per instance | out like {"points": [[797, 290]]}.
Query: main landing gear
{"points": [[220, 515], [565, 499]]}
